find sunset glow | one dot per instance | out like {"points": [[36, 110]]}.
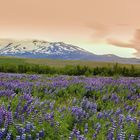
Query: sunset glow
{"points": [[100, 26]]}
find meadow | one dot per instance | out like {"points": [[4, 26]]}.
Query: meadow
{"points": [[58, 63], [67, 67], [38, 107]]}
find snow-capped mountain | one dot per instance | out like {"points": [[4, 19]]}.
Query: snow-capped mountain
{"points": [[54, 50], [41, 49]]}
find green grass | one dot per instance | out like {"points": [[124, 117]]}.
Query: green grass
{"points": [[11, 60], [58, 63]]}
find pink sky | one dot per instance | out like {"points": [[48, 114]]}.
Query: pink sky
{"points": [[100, 26]]}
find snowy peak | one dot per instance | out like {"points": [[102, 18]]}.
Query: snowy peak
{"points": [[12, 46], [36, 46]]}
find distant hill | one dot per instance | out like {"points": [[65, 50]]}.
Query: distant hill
{"points": [[55, 50]]}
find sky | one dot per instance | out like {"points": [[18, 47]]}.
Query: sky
{"points": [[99, 26]]}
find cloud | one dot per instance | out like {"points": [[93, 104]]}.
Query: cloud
{"points": [[134, 43], [119, 43], [100, 31], [137, 36]]}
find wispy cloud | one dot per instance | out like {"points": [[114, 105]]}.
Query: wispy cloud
{"points": [[119, 43], [99, 31], [134, 43]]}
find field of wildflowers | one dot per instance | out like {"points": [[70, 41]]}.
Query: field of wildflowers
{"points": [[37, 107]]}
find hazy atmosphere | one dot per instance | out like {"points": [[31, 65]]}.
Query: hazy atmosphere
{"points": [[100, 26]]}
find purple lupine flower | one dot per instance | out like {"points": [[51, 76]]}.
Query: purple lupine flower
{"points": [[17, 137], [23, 137], [110, 136], [139, 125], [41, 133], [9, 117], [131, 137], [99, 115], [86, 128]]}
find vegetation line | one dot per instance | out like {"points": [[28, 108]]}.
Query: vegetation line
{"points": [[71, 70]]}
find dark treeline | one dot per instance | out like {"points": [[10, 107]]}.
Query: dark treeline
{"points": [[71, 70]]}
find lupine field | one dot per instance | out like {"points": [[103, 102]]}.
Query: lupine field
{"points": [[37, 107]]}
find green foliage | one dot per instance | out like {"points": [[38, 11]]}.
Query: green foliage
{"points": [[20, 66]]}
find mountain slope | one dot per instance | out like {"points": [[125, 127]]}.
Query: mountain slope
{"points": [[54, 50]]}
